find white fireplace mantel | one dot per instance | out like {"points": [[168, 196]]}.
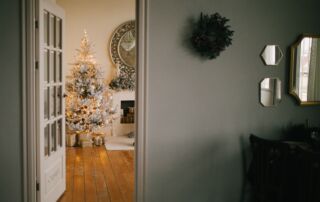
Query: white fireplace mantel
{"points": [[117, 127]]}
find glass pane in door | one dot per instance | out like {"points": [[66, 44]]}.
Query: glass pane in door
{"points": [[52, 101], [53, 139], [46, 140], [45, 65], [45, 27], [52, 30], [51, 66], [59, 132], [46, 103], [58, 67], [59, 100], [58, 32]]}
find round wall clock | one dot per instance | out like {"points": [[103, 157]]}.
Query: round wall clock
{"points": [[123, 45]]}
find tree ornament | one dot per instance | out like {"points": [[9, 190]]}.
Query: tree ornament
{"points": [[211, 35]]}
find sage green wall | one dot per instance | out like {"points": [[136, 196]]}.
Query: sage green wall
{"points": [[199, 110], [10, 102]]}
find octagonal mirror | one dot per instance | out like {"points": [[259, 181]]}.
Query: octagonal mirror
{"points": [[305, 70], [271, 55], [270, 92]]}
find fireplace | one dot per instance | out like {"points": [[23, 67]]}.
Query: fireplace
{"points": [[127, 111]]}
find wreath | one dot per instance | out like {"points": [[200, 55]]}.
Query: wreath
{"points": [[211, 35], [125, 80]]}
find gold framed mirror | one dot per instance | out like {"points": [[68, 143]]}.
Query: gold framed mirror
{"points": [[305, 70]]}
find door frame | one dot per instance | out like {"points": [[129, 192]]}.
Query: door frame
{"points": [[28, 55], [28, 100]]}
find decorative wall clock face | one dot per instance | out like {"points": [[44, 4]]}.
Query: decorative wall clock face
{"points": [[123, 45], [123, 55]]}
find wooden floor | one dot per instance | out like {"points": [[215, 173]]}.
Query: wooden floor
{"points": [[95, 174]]}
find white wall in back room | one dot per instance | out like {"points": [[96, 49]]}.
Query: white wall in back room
{"points": [[99, 18]]}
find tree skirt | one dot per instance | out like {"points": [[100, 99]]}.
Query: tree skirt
{"points": [[122, 142]]}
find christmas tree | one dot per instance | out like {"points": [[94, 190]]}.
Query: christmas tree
{"points": [[86, 103]]}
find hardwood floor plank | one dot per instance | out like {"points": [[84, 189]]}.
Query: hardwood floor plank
{"points": [[122, 175], [89, 179], [78, 192], [101, 185], [112, 182], [94, 174], [127, 159]]}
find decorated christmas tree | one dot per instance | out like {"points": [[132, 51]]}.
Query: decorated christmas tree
{"points": [[86, 101]]}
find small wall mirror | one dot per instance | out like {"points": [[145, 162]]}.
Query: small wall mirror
{"points": [[271, 55], [270, 92], [305, 70]]}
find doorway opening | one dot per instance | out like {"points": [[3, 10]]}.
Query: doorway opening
{"points": [[99, 128], [75, 161]]}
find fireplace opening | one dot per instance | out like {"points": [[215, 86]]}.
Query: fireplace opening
{"points": [[127, 111]]}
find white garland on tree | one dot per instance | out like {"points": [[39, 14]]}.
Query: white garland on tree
{"points": [[86, 103]]}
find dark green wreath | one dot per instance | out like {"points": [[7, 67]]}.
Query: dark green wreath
{"points": [[211, 35]]}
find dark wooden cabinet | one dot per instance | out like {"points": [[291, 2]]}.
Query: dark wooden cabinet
{"points": [[284, 171]]}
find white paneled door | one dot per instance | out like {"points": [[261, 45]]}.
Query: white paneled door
{"points": [[51, 155]]}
